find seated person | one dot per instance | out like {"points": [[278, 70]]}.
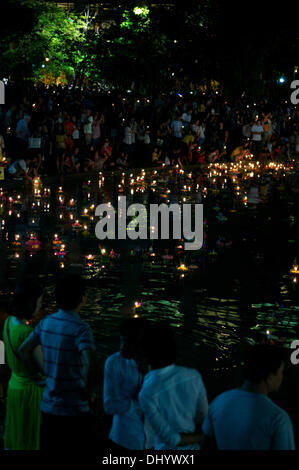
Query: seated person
{"points": [[19, 169], [214, 156], [67, 164], [89, 160], [99, 161], [33, 167], [264, 154], [122, 160], [156, 156], [106, 150]]}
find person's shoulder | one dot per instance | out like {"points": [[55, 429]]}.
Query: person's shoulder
{"points": [[188, 372], [223, 397], [278, 414], [113, 359]]}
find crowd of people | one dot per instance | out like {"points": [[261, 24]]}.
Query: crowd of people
{"points": [[63, 130], [155, 403]]}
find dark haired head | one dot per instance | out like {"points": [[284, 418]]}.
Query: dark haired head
{"points": [[131, 332], [24, 300], [70, 291], [159, 346], [262, 360]]}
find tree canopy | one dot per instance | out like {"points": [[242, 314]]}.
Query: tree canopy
{"points": [[146, 46]]}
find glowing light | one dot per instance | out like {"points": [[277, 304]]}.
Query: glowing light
{"points": [[182, 267], [143, 11]]}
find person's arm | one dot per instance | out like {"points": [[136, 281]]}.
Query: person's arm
{"points": [[283, 437], [31, 356], [86, 347], [113, 399], [90, 372], [202, 405], [208, 442], [161, 427]]}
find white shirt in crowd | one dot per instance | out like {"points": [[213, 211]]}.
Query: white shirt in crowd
{"points": [[34, 142], [174, 401], [256, 132], [186, 117], [242, 420], [176, 126], [122, 382], [129, 136], [87, 128]]}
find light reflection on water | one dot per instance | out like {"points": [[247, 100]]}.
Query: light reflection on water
{"points": [[215, 314]]}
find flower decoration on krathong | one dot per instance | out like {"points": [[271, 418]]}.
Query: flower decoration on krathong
{"points": [[89, 260], [77, 227], [33, 244], [182, 267], [56, 242], [60, 253], [294, 271], [16, 244], [137, 309]]}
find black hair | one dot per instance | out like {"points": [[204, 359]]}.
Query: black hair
{"points": [[24, 300], [261, 360], [70, 291], [132, 331], [159, 346], [131, 327]]}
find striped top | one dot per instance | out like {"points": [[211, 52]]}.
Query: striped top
{"points": [[63, 336]]}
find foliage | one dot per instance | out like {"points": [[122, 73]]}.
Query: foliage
{"points": [[58, 45], [148, 47]]}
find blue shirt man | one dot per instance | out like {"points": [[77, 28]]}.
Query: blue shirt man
{"points": [[22, 129], [68, 357], [63, 337], [245, 418], [242, 420], [176, 127]]}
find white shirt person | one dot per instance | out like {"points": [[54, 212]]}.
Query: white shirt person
{"points": [[122, 383], [173, 398]]}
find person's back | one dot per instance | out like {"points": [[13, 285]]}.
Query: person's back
{"points": [[178, 395], [122, 382], [68, 361], [63, 336], [121, 385], [173, 398], [243, 420]]}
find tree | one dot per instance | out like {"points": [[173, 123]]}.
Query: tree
{"points": [[59, 45]]}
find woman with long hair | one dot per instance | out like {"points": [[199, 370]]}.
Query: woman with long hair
{"points": [[23, 416]]}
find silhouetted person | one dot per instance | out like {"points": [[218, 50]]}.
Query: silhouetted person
{"points": [[245, 418]]}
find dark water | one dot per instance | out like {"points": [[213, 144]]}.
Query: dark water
{"points": [[238, 289]]}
